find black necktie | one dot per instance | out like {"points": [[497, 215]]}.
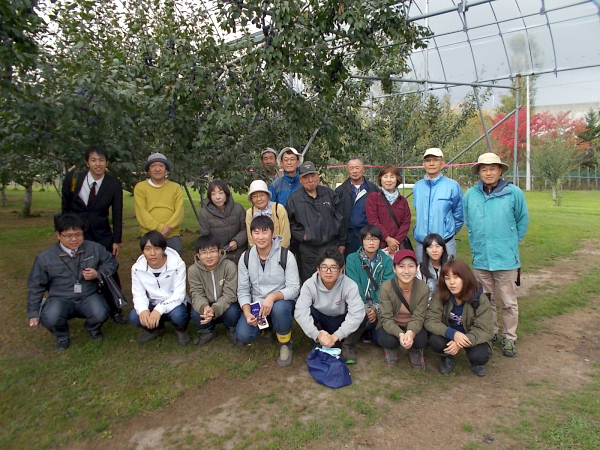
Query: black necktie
{"points": [[92, 194]]}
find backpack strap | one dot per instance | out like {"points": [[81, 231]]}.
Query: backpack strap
{"points": [[396, 288], [283, 255]]}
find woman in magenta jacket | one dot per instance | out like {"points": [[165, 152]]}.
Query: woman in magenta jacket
{"points": [[378, 206]]}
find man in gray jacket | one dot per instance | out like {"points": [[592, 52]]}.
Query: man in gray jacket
{"points": [[68, 271], [329, 308], [267, 275]]}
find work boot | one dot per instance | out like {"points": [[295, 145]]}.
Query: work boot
{"points": [[285, 354], [416, 358], [183, 337], [148, 335], [203, 338], [391, 356], [478, 370], [509, 348], [446, 364]]}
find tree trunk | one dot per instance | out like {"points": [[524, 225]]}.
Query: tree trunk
{"points": [[27, 200], [4, 196]]}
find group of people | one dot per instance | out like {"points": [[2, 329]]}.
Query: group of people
{"points": [[256, 270]]}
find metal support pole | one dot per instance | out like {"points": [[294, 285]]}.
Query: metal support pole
{"points": [[487, 135], [516, 132], [187, 191], [528, 158]]}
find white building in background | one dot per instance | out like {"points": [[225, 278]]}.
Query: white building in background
{"points": [[576, 110]]}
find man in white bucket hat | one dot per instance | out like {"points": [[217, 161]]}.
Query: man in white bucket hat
{"points": [[496, 218], [289, 159]]}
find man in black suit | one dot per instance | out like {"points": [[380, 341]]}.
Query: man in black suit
{"points": [[90, 195]]}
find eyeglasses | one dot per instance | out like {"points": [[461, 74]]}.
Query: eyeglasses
{"points": [[72, 235], [372, 239], [292, 159], [334, 269], [213, 251]]}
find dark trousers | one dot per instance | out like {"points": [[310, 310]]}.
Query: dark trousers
{"points": [[365, 326], [392, 342], [178, 316], [477, 355], [354, 244], [113, 308], [308, 259], [229, 318], [326, 323], [57, 311]]}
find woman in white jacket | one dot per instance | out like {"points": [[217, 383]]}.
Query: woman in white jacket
{"points": [[158, 288]]}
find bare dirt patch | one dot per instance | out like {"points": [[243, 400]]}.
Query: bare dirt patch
{"points": [[447, 412]]}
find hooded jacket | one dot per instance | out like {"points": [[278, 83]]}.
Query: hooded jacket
{"points": [[496, 223], [282, 187], [438, 204], [342, 299], [215, 288], [390, 305], [255, 283], [382, 270], [479, 325], [228, 225], [319, 219], [166, 292]]}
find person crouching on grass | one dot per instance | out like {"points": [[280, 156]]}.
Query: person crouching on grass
{"points": [[158, 288], [460, 316], [403, 303], [329, 308], [268, 274]]}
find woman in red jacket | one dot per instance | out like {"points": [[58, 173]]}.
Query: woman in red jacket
{"points": [[389, 210]]}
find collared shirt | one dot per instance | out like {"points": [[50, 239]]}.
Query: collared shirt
{"points": [[67, 250], [86, 187]]}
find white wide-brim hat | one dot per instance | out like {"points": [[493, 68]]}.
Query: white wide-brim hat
{"points": [[258, 186], [488, 158], [290, 149]]}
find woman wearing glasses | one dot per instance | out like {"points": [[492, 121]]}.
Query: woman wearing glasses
{"points": [[213, 288], [329, 308], [224, 219], [369, 267]]}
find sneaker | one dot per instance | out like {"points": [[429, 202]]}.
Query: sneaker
{"points": [[478, 370], [231, 334], [391, 356], [266, 336], [367, 337], [495, 338], [61, 346], [348, 353], [96, 335], [416, 359], [285, 355], [118, 318], [148, 335], [446, 364], [508, 348], [183, 337], [204, 338]]}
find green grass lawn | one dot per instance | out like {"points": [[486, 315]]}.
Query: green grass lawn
{"points": [[51, 399]]}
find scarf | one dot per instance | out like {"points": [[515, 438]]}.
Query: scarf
{"points": [[265, 212], [391, 197]]}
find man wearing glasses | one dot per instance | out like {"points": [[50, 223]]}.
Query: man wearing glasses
{"points": [[438, 204], [213, 282], [68, 271], [281, 188], [329, 308]]}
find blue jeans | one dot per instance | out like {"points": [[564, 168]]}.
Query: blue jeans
{"points": [[450, 249], [57, 311], [229, 318], [280, 319], [178, 316]]}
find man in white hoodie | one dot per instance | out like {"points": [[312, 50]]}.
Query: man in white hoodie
{"points": [[158, 288], [268, 274], [329, 308]]}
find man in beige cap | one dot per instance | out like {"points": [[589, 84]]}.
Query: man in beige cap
{"points": [[496, 218], [438, 204], [159, 202], [270, 172]]}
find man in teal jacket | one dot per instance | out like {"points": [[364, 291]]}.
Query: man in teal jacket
{"points": [[496, 218]]}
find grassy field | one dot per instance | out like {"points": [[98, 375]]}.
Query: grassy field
{"points": [[51, 400]]}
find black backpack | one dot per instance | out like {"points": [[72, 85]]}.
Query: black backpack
{"points": [[283, 253]]}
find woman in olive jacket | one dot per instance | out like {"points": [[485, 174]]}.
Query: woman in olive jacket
{"points": [[224, 219], [460, 316], [403, 305]]}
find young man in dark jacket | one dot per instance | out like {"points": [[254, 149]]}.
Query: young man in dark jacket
{"points": [[353, 196], [316, 219], [91, 195], [68, 270]]}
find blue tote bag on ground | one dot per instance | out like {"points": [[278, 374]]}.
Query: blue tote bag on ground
{"points": [[328, 368]]}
